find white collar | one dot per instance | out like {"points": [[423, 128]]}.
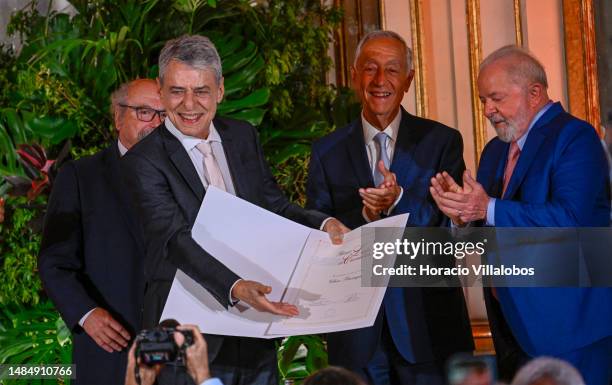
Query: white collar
{"points": [[369, 131], [122, 148], [189, 142]]}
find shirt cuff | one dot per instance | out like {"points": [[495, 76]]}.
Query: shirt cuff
{"points": [[389, 210], [82, 320], [491, 212], [212, 381], [363, 214], [232, 301], [324, 223], [399, 197]]}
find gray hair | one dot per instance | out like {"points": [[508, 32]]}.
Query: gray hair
{"points": [[558, 371], [194, 50], [119, 96], [527, 67], [384, 34]]}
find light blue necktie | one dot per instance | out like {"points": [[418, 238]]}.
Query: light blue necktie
{"points": [[381, 140]]}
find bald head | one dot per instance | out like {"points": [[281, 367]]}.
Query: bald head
{"points": [[135, 106]]}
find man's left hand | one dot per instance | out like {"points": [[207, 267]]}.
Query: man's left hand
{"points": [[381, 198], [336, 230], [468, 204]]}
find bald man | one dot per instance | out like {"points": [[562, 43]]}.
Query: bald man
{"points": [[92, 252]]}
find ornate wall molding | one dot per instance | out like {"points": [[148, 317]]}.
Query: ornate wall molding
{"points": [[518, 23], [418, 38], [581, 61], [475, 54]]}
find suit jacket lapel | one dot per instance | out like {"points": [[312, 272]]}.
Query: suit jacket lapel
{"points": [[232, 155], [114, 178], [404, 147], [492, 178], [530, 150], [357, 153], [182, 161]]}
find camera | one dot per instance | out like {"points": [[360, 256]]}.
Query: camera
{"points": [[157, 346]]}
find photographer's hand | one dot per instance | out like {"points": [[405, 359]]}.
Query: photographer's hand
{"points": [[197, 354], [147, 373]]}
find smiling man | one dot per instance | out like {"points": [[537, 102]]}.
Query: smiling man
{"points": [[168, 174], [380, 165], [545, 168]]}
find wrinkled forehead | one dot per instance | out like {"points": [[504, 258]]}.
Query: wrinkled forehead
{"points": [[496, 74], [382, 49], [145, 93]]}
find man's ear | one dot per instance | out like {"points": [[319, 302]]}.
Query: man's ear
{"points": [[354, 79], [221, 91], [408, 80], [117, 117], [535, 91]]}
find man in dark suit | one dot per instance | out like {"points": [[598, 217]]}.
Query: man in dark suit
{"points": [[92, 250], [168, 174], [349, 178], [545, 168]]}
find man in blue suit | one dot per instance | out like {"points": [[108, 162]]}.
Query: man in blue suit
{"points": [[545, 168], [381, 165]]}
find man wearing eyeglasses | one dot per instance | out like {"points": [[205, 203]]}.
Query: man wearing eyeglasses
{"points": [[92, 250]]}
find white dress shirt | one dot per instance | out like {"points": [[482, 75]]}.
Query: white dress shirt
{"points": [[369, 132], [197, 158], [212, 381]]}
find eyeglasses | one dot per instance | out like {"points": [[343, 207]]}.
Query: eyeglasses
{"points": [[146, 114]]}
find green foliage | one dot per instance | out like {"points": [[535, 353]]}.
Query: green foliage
{"points": [[57, 88], [33, 335], [291, 176], [19, 281], [69, 66], [294, 36], [300, 356]]}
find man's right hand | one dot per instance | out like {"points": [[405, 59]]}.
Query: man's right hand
{"points": [[440, 184], [254, 294], [106, 331], [381, 198]]}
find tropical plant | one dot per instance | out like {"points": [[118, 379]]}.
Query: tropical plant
{"points": [[69, 65], [19, 281], [55, 91], [34, 335], [300, 356]]}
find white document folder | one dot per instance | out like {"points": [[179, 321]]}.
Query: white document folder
{"points": [[299, 263]]}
